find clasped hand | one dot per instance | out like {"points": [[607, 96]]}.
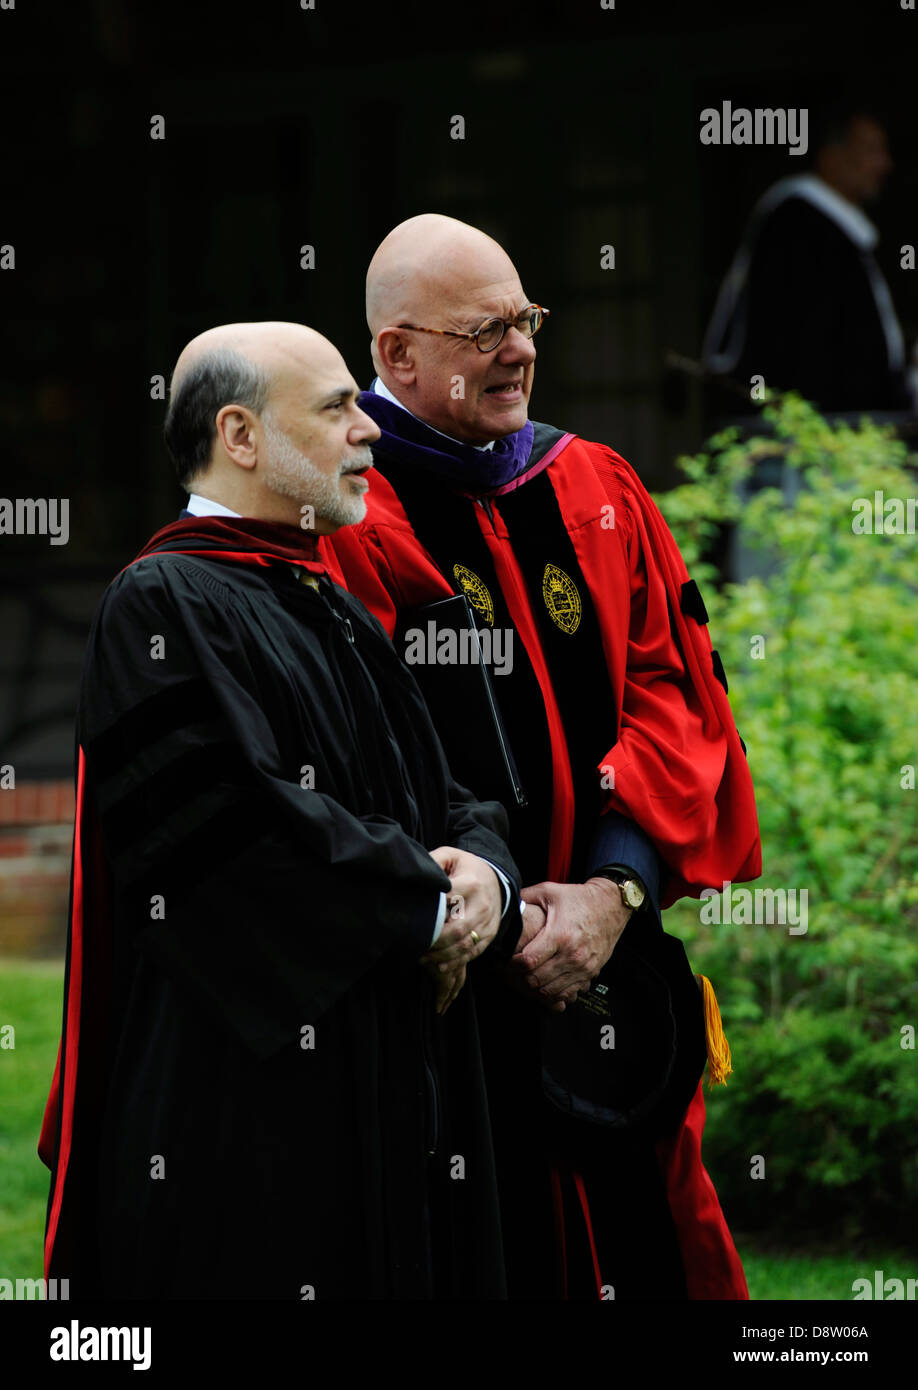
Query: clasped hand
{"points": [[474, 906], [569, 932]]}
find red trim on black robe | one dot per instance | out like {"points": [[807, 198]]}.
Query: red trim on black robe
{"points": [[259, 543]]}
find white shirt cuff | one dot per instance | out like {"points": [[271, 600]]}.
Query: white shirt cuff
{"points": [[441, 910], [441, 918], [505, 885]]}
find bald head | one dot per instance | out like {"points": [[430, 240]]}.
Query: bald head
{"points": [[271, 348], [244, 364], [431, 261], [264, 418], [444, 279]]}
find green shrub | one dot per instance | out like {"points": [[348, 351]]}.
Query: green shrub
{"points": [[825, 1086]]}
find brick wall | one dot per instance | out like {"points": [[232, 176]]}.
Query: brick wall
{"points": [[36, 837]]}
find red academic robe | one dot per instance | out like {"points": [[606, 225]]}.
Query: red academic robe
{"points": [[678, 766]]}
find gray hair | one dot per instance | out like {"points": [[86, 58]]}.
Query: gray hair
{"points": [[220, 377]]}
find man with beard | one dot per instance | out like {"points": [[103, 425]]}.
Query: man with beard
{"points": [[276, 890], [612, 744]]}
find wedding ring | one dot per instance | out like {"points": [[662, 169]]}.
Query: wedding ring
{"points": [[475, 938]]}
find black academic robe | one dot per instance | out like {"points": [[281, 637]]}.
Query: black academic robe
{"points": [[811, 319], [256, 1098]]}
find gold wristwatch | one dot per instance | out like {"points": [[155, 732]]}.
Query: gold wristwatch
{"points": [[633, 891]]}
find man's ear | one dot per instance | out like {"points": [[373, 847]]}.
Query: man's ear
{"points": [[395, 354], [236, 434]]}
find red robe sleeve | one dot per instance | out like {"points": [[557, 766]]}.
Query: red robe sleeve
{"points": [[677, 767]]}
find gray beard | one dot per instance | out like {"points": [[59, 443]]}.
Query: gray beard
{"points": [[289, 473]]}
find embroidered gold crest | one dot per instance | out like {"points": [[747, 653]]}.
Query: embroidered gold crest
{"points": [[477, 592], [561, 599]]}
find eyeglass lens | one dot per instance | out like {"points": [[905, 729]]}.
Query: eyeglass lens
{"points": [[493, 331]]}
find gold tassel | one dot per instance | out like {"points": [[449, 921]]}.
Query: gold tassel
{"points": [[720, 1063]]}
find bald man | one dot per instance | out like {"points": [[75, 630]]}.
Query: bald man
{"points": [[269, 1083], [610, 740]]}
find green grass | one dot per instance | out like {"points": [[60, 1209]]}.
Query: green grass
{"points": [[31, 994], [30, 999], [817, 1274]]}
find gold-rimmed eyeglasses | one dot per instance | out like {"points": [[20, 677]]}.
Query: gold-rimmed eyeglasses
{"points": [[491, 333]]}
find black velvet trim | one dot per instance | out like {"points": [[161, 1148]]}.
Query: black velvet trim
{"points": [[172, 708], [719, 671], [692, 603]]}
